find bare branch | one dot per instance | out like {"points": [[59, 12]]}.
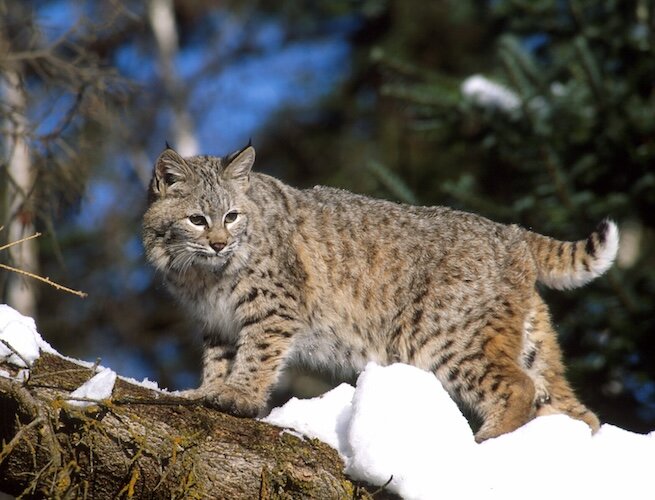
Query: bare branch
{"points": [[23, 429], [18, 354], [45, 280], [11, 244], [68, 118]]}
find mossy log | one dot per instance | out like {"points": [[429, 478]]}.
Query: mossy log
{"points": [[144, 444]]}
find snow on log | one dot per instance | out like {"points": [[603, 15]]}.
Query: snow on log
{"points": [[77, 429], [137, 442]]}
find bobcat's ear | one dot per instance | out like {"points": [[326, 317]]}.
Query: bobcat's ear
{"points": [[239, 167], [170, 168]]}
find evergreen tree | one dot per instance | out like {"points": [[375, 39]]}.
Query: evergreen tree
{"points": [[558, 136]]}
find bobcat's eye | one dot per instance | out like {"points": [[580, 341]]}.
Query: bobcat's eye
{"points": [[231, 217], [198, 220]]}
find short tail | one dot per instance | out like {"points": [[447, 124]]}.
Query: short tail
{"points": [[570, 264]]}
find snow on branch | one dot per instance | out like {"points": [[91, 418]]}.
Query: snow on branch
{"points": [[490, 94]]}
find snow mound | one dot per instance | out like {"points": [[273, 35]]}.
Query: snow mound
{"points": [[20, 332], [396, 430], [401, 427], [100, 386], [324, 417]]}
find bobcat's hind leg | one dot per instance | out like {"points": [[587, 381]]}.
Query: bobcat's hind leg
{"points": [[490, 379], [509, 395], [564, 400], [547, 370]]}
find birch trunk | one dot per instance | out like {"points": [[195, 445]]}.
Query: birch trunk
{"points": [[21, 292], [161, 16]]}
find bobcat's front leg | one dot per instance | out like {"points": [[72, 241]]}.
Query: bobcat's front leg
{"points": [[264, 344], [217, 360]]}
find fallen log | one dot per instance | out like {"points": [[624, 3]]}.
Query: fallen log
{"points": [[143, 443]]}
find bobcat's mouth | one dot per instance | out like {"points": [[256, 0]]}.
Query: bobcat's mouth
{"points": [[190, 255], [212, 256]]}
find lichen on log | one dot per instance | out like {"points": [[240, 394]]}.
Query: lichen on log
{"points": [[145, 444]]}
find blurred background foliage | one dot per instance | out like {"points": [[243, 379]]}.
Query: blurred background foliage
{"points": [[537, 112]]}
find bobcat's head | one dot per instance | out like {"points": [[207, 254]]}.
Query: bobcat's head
{"points": [[198, 210]]}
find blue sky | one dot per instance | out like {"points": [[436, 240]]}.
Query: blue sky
{"points": [[231, 107], [228, 104]]}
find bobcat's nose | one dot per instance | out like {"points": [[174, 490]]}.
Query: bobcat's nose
{"points": [[217, 246]]}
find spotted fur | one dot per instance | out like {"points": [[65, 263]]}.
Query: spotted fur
{"points": [[332, 280]]}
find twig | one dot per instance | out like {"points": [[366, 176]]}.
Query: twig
{"points": [[22, 240], [19, 392], [44, 280], [94, 368], [34, 483], [381, 488], [18, 354], [36, 276], [135, 401], [6, 449], [158, 402], [68, 118]]}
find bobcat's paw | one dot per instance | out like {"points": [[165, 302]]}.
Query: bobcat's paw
{"points": [[235, 401], [198, 394], [542, 399]]}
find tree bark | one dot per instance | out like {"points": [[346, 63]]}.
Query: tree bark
{"points": [[145, 444]]}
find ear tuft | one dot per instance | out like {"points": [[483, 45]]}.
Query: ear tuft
{"points": [[170, 168], [240, 166]]}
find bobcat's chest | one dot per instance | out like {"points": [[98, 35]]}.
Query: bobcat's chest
{"points": [[213, 307], [219, 317]]}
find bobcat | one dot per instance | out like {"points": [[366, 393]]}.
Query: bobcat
{"points": [[332, 280]]}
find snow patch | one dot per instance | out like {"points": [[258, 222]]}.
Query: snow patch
{"points": [[98, 387], [400, 424], [20, 332], [324, 417], [145, 383]]}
